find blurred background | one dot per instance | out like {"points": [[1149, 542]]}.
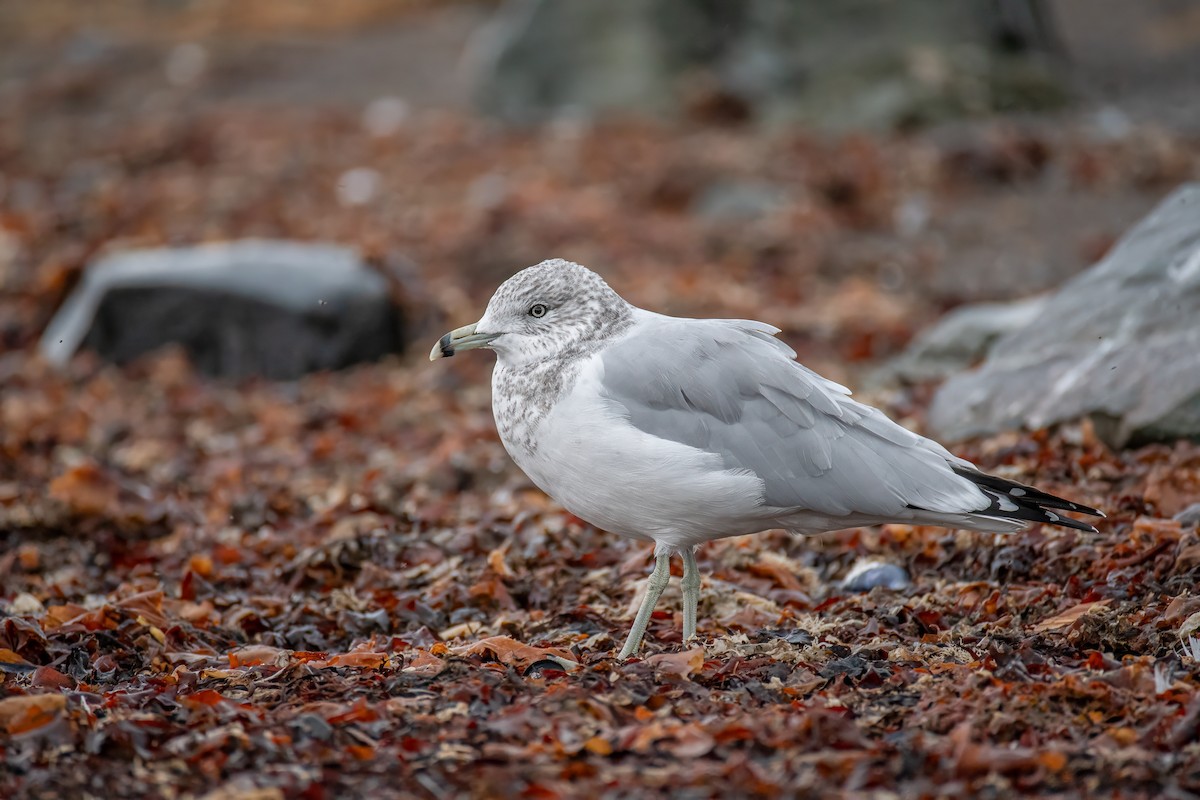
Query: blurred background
{"points": [[849, 171]]}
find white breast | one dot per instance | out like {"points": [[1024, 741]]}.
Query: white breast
{"points": [[602, 469]]}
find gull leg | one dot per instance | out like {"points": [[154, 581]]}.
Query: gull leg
{"points": [[691, 592], [654, 590]]}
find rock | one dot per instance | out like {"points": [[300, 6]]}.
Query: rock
{"points": [[1119, 342], [959, 340], [539, 59], [838, 64], [1189, 516], [868, 573], [275, 309]]}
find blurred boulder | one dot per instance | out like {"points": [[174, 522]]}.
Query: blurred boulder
{"points": [[1120, 343], [275, 309], [838, 63], [959, 340]]}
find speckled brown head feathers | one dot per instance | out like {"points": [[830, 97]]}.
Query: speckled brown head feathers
{"points": [[539, 357]]}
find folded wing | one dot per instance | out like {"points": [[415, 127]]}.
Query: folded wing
{"points": [[731, 388]]}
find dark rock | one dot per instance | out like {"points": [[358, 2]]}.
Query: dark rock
{"points": [[1120, 342], [274, 309], [838, 64]]}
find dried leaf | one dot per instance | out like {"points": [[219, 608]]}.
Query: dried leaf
{"points": [[1189, 626], [508, 651], [256, 654], [598, 746], [496, 560], [358, 660], [29, 712], [682, 664], [85, 489], [688, 741], [422, 662], [9, 657], [1069, 617]]}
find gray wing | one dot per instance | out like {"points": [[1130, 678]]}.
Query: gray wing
{"points": [[730, 387]]}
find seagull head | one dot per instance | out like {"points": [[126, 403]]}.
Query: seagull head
{"points": [[542, 312]]}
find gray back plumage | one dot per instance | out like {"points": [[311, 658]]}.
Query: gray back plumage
{"points": [[730, 387]]}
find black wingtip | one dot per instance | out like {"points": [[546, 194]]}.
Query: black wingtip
{"points": [[1021, 492], [1012, 500], [1066, 522]]}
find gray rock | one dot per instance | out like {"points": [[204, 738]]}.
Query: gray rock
{"points": [[837, 63], [275, 309], [959, 340], [1120, 342], [1190, 515], [539, 59], [868, 573]]}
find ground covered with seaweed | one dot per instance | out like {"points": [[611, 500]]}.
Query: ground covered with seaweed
{"points": [[340, 586]]}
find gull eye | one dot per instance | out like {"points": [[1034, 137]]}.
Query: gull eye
{"points": [[538, 310]]}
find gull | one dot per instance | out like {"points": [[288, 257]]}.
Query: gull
{"points": [[681, 431]]}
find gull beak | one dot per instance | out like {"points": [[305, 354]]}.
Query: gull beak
{"points": [[464, 338]]}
